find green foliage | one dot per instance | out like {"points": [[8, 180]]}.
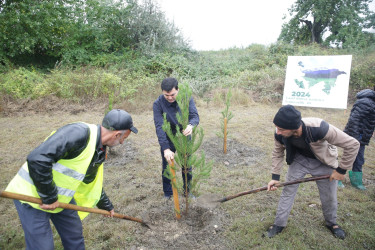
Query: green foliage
{"points": [[186, 146], [150, 31], [34, 28], [91, 84], [76, 32], [362, 75], [344, 20], [258, 69], [22, 83], [80, 85], [110, 103]]}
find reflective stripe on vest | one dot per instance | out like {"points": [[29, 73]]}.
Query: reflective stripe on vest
{"points": [[67, 171], [61, 191], [67, 176]]}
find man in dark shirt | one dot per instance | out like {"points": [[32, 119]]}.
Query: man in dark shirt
{"points": [[166, 103]]}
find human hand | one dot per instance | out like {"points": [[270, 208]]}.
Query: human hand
{"points": [[52, 206], [272, 185], [168, 154], [112, 212], [188, 130], [336, 176]]}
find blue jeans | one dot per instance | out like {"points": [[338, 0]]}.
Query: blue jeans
{"points": [[359, 160], [38, 232]]}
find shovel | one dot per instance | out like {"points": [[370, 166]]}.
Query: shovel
{"points": [[212, 201], [27, 198]]}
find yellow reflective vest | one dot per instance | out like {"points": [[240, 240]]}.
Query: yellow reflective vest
{"points": [[68, 175]]}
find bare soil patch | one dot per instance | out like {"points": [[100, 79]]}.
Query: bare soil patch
{"points": [[120, 156], [201, 228], [238, 154]]}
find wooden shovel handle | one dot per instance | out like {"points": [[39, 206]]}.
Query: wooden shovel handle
{"points": [[279, 185], [35, 200]]}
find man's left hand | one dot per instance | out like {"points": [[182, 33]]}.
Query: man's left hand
{"points": [[112, 212], [336, 176], [52, 206], [188, 130]]}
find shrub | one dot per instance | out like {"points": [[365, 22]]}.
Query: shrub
{"points": [[22, 83], [363, 72]]}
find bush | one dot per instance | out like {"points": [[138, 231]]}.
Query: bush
{"points": [[22, 83], [256, 68], [363, 72], [94, 83]]}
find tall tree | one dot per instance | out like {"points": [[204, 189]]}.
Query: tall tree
{"points": [[339, 22], [76, 31], [34, 28]]}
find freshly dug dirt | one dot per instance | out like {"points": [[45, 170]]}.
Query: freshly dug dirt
{"points": [[200, 228]]}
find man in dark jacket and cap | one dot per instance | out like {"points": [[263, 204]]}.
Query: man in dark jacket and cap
{"points": [[67, 168], [310, 145], [361, 125]]}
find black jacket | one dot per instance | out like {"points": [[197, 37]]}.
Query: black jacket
{"points": [[161, 106], [361, 122], [66, 143]]}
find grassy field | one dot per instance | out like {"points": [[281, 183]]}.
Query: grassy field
{"points": [[135, 188]]}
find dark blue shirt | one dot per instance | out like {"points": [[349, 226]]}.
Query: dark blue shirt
{"points": [[161, 106]]}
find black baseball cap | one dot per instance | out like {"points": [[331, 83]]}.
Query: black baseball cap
{"points": [[118, 119], [288, 118]]}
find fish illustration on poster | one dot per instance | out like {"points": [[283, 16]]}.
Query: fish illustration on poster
{"points": [[317, 81]]}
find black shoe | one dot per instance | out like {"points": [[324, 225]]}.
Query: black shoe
{"points": [[337, 232], [273, 230]]}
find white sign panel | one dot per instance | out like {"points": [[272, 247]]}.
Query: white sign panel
{"points": [[317, 81]]}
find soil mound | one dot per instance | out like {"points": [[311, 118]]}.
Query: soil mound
{"points": [[199, 229]]}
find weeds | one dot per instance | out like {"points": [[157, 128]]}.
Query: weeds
{"points": [[256, 68]]}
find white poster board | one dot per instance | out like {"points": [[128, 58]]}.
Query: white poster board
{"points": [[317, 81]]}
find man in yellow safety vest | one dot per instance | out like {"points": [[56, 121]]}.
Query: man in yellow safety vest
{"points": [[67, 167]]}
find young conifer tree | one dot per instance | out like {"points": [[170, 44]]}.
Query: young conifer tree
{"points": [[226, 114], [186, 147]]}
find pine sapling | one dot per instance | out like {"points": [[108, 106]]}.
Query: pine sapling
{"points": [[186, 147], [226, 116]]}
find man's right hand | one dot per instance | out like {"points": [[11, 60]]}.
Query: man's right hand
{"points": [[168, 154], [52, 206], [272, 185]]}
